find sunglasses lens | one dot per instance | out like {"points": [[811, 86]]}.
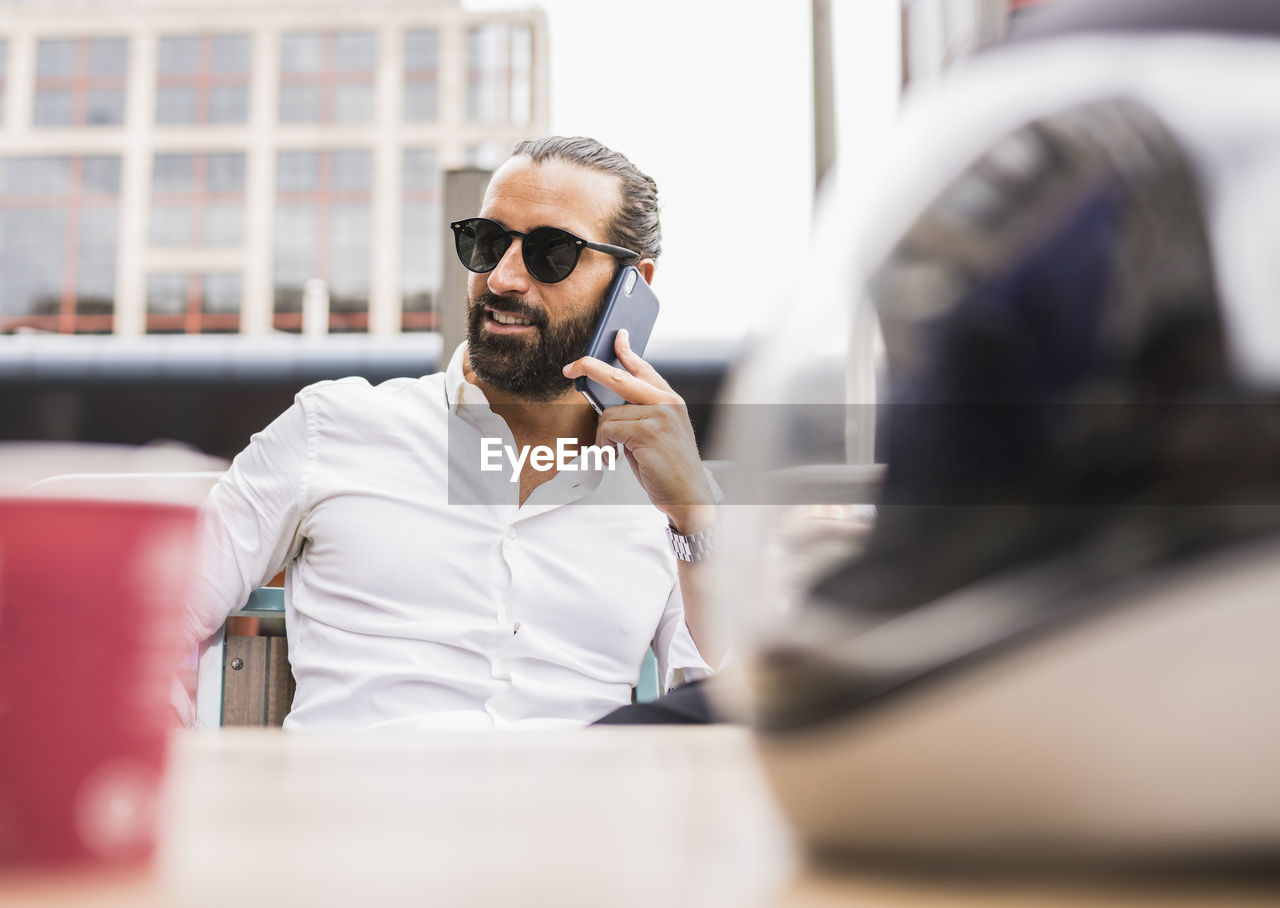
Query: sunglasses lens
{"points": [[550, 254], [481, 244]]}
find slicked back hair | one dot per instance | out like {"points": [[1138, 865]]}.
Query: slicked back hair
{"points": [[635, 224]]}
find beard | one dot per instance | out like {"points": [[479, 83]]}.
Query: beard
{"points": [[529, 367]]}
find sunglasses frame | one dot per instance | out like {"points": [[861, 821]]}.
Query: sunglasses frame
{"points": [[578, 244]]}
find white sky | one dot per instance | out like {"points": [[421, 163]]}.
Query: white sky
{"points": [[713, 99]]}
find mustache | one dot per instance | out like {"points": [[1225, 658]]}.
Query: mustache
{"points": [[511, 306]]}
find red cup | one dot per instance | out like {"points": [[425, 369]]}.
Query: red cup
{"points": [[90, 603]]}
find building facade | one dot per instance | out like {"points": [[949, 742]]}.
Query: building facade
{"points": [[193, 166]]}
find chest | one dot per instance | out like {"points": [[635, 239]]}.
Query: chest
{"points": [[396, 547]]}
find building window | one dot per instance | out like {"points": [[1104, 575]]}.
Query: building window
{"points": [[327, 77], [421, 74], [420, 238], [59, 219], [202, 79], [197, 200], [81, 81], [323, 230], [193, 303], [500, 74]]}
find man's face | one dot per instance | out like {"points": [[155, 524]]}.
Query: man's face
{"points": [[554, 321]]}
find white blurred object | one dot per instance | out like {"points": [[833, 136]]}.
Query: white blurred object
{"points": [[1146, 732], [1138, 727], [72, 470], [156, 473]]}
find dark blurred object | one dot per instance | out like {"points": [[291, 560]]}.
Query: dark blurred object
{"points": [[214, 392], [1047, 656], [1065, 17], [686, 705], [1073, 372]]}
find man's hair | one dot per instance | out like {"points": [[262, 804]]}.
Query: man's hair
{"points": [[635, 224]]}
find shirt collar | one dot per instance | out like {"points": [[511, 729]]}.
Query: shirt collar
{"points": [[458, 390]]}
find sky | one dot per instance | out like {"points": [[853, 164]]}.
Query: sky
{"points": [[713, 99]]}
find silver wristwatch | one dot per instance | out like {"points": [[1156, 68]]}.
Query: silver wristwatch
{"points": [[695, 546]]}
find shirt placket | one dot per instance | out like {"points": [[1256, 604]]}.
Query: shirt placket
{"points": [[512, 523]]}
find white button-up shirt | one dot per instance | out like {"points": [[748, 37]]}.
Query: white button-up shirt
{"points": [[419, 592]]}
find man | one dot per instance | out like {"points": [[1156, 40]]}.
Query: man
{"points": [[425, 591]]}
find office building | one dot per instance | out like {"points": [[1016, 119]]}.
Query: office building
{"points": [[192, 166]]}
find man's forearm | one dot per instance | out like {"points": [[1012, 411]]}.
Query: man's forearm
{"points": [[695, 583]]}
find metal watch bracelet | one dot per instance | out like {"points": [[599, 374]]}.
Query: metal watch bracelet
{"points": [[694, 547]]}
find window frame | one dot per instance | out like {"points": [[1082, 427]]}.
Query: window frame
{"points": [[420, 319], [194, 319], [197, 199], [416, 76], [323, 198], [328, 78], [81, 83], [204, 79], [72, 203]]}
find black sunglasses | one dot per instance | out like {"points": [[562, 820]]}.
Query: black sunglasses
{"points": [[550, 254]]}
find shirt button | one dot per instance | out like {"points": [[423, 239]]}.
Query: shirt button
{"points": [[511, 532]]}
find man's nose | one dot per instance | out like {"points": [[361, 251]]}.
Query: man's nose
{"points": [[510, 275]]}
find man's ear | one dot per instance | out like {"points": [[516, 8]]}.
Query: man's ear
{"points": [[646, 268]]}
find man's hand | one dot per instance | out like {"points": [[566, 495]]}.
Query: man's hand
{"points": [[656, 435]]}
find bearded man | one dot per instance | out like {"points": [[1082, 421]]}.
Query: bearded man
{"points": [[425, 589]]}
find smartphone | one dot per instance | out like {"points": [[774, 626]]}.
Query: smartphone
{"points": [[630, 304]]}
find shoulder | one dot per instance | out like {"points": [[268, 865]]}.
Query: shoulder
{"points": [[348, 408], [355, 393]]}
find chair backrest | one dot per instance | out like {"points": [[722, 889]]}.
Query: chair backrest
{"points": [[246, 680]]}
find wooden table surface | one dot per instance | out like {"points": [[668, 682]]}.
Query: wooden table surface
{"points": [[598, 817], [602, 816]]}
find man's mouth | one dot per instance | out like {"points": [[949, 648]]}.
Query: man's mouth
{"points": [[505, 322]]}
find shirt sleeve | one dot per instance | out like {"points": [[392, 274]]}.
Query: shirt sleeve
{"points": [[249, 523], [674, 647]]}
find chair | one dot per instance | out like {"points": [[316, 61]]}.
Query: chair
{"points": [[649, 687], [247, 681]]}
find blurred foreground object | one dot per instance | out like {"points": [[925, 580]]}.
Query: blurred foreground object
{"points": [[95, 552], [1057, 644]]}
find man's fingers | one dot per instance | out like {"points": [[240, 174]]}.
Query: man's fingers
{"points": [[627, 386], [630, 433], [641, 424], [635, 364]]}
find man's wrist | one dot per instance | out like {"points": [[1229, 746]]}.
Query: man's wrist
{"points": [[692, 531], [686, 521]]}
